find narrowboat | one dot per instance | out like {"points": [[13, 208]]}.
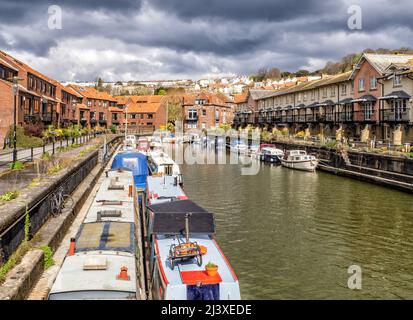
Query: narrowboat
{"points": [[161, 164], [135, 162], [163, 189], [185, 261], [143, 145], [102, 263], [130, 142], [300, 160]]}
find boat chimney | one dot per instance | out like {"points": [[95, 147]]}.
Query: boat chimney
{"points": [[71, 247], [187, 226], [130, 191]]}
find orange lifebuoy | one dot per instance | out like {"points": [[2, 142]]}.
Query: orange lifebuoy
{"points": [[203, 250]]}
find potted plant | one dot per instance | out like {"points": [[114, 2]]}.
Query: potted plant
{"points": [[211, 269]]}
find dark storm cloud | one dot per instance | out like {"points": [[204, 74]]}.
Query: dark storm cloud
{"points": [[272, 10], [196, 36]]}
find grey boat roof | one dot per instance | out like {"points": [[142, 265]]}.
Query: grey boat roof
{"points": [[162, 189], [119, 198], [73, 276]]}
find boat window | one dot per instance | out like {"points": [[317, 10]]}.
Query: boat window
{"points": [[168, 169]]}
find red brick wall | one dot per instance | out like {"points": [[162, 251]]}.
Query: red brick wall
{"points": [[366, 71], [6, 110]]}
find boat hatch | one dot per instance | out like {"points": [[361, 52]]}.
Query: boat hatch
{"points": [[110, 202], [114, 185], [108, 214], [114, 236], [205, 292], [169, 218], [95, 263], [199, 277]]}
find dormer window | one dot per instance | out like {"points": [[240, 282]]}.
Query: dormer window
{"points": [[397, 81], [200, 101]]}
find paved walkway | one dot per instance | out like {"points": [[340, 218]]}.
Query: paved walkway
{"points": [[24, 155], [17, 180]]}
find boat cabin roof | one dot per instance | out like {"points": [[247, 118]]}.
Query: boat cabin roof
{"points": [[213, 254], [93, 275], [161, 158], [112, 201], [164, 189], [169, 218], [297, 152], [106, 236]]}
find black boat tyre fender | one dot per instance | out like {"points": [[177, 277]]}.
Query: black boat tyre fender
{"points": [[171, 261]]}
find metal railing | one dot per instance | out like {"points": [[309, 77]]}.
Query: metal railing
{"points": [[39, 210], [29, 154]]}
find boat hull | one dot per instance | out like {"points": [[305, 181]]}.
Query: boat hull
{"points": [[270, 158], [304, 165]]}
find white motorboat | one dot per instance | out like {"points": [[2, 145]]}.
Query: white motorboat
{"points": [[271, 154], [300, 160], [239, 147]]}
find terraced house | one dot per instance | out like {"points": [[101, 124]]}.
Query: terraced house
{"points": [[94, 107], [363, 104], [207, 110], [142, 113]]}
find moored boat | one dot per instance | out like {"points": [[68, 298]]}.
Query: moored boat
{"points": [[271, 154], [300, 160], [186, 262]]}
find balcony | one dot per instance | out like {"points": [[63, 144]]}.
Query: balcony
{"points": [[92, 121], [48, 117], [329, 117], [344, 117], [364, 116], [397, 115], [32, 117], [191, 118], [102, 121]]}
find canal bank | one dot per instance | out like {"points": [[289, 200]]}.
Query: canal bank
{"points": [[293, 235], [384, 170]]}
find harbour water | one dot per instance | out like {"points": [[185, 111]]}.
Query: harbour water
{"points": [[293, 235]]}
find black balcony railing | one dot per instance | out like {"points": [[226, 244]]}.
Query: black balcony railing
{"points": [[192, 118], [395, 115], [343, 117], [366, 116], [32, 117], [102, 121]]}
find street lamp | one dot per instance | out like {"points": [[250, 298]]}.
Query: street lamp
{"points": [[126, 123], [15, 93]]}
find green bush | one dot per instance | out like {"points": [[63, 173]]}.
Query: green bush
{"points": [[17, 165], [24, 141], [10, 195], [112, 128], [48, 256]]}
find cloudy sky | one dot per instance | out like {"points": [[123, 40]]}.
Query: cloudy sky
{"points": [[159, 39]]}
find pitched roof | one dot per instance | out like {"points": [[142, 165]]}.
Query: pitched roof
{"points": [[23, 66], [381, 62], [240, 97], [92, 93]]}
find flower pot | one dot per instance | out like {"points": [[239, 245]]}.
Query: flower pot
{"points": [[211, 271]]}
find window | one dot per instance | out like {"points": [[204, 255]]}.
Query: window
{"points": [[150, 116], [89, 103], [361, 84], [2, 73], [397, 81], [344, 88], [92, 116], [368, 110], [203, 112], [325, 92], [203, 125], [373, 83], [192, 114], [313, 95], [332, 91], [305, 96], [200, 101]]}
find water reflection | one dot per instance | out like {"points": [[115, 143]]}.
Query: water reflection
{"points": [[292, 234]]}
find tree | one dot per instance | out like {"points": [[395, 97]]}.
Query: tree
{"points": [[174, 106], [302, 73], [99, 84], [273, 73]]}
